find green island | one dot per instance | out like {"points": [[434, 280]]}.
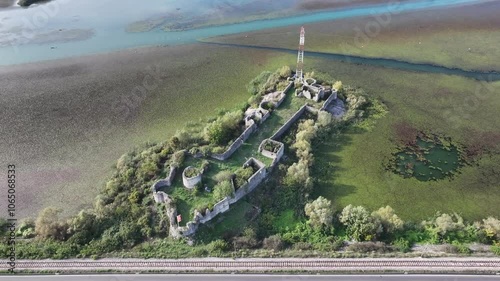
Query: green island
{"points": [[247, 183]]}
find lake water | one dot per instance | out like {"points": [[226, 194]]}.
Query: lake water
{"points": [[99, 25]]}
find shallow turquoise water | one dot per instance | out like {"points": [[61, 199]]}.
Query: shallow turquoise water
{"points": [[108, 21]]}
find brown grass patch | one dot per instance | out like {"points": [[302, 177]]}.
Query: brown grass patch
{"points": [[406, 134], [479, 143]]}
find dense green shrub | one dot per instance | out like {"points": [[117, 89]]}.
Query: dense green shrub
{"points": [[338, 86], [36, 249], [49, 226], [491, 226], [304, 232], [178, 158], [495, 249], [84, 227], [224, 129], [224, 175], [320, 212], [402, 245], [273, 242], [461, 248], [147, 169], [285, 72], [217, 247], [448, 228], [191, 172], [26, 229], [242, 175], [223, 190], [247, 241], [389, 220], [360, 224]]}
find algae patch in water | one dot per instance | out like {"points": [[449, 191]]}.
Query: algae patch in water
{"points": [[428, 159]]}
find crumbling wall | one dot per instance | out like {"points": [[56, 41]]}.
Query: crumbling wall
{"points": [[251, 184], [289, 123], [223, 205], [164, 182], [290, 85], [330, 99], [237, 143]]}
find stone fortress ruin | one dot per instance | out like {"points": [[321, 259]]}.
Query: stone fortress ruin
{"points": [[270, 148]]}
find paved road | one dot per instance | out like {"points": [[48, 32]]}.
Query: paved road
{"points": [[254, 278]]}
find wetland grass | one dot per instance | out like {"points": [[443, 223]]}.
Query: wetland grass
{"points": [[356, 159], [65, 168], [458, 37]]}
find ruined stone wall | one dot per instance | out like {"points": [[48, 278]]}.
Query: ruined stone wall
{"points": [[237, 143], [219, 208], [289, 123], [252, 183], [164, 182], [264, 117], [330, 99], [288, 87]]}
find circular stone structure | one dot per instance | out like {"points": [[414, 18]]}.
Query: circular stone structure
{"points": [[192, 181]]}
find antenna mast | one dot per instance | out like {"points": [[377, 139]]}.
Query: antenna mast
{"points": [[299, 74]]}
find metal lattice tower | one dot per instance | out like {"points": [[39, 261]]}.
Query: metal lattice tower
{"points": [[299, 74]]}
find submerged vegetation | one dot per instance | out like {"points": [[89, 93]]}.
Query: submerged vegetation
{"points": [[428, 158]]}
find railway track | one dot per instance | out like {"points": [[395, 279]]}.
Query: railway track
{"points": [[265, 264]]}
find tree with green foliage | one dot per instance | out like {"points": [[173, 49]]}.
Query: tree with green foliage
{"points": [[49, 226], [147, 169], [390, 221], [223, 190], [178, 158], [298, 173], [324, 118], [445, 223], [361, 226], [338, 86], [222, 130], [84, 227], [285, 71], [320, 212]]}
